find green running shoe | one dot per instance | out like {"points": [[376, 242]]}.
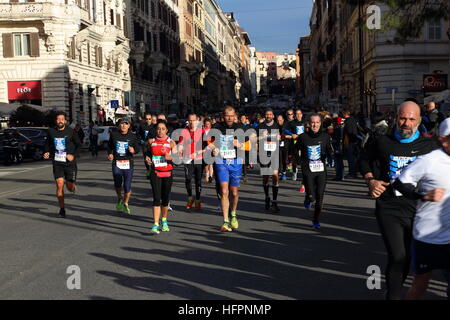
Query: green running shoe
{"points": [[226, 227], [119, 205], [126, 209], [234, 223], [165, 226], [155, 229]]}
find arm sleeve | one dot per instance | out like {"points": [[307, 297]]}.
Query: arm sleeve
{"points": [[47, 143], [414, 172], [110, 147], [407, 189]]}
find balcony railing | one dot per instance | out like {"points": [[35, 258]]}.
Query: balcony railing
{"points": [[40, 10]]}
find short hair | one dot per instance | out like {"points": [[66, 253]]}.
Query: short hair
{"points": [[60, 113], [192, 114], [298, 109], [316, 115], [228, 108], [163, 122]]}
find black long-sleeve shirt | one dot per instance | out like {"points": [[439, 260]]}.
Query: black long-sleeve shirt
{"points": [[118, 146], [60, 143], [314, 147]]}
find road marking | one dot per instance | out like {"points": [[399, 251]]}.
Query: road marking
{"points": [[20, 170]]}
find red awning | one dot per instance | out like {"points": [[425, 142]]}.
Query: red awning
{"points": [[24, 90]]}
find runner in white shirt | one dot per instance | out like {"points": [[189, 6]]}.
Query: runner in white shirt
{"points": [[428, 180]]}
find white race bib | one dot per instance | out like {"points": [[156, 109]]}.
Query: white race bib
{"points": [[60, 156], [123, 164], [227, 150], [270, 146], [282, 144], [228, 154], [316, 166], [159, 161]]}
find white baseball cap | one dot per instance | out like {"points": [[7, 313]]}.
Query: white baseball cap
{"points": [[444, 128]]}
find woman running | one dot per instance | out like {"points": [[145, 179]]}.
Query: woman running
{"points": [[160, 160]]}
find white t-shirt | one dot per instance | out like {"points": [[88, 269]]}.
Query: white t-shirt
{"points": [[432, 220]]}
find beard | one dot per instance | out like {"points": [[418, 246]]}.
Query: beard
{"points": [[406, 132], [60, 125]]}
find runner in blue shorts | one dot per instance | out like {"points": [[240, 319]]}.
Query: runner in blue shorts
{"points": [[228, 138]]}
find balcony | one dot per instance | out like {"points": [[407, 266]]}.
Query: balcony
{"points": [[32, 11]]}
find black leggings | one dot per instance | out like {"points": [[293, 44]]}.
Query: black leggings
{"points": [[161, 188], [397, 236], [283, 159], [196, 171], [315, 183]]}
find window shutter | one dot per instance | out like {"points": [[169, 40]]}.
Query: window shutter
{"points": [[118, 20], [72, 49], [125, 27], [34, 39], [7, 45], [96, 55], [100, 57]]}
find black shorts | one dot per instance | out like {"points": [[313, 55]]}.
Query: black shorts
{"points": [[66, 171], [427, 256]]}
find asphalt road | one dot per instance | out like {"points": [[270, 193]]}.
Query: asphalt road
{"points": [[272, 256]]}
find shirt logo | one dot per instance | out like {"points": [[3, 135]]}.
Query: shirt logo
{"points": [[60, 144], [397, 164], [314, 152], [121, 148]]}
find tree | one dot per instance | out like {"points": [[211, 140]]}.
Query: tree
{"points": [[407, 17], [27, 116]]}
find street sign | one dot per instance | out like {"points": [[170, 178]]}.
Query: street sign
{"points": [[114, 104]]}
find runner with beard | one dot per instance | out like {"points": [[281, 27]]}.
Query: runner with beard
{"points": [[62, 146], [381, 163], [269, 149], [315, 146]]}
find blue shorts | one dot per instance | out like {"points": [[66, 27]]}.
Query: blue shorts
{"points": [[122, 178], [230, 172]]}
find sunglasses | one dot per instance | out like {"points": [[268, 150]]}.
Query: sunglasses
{"points": [[290, 114]]}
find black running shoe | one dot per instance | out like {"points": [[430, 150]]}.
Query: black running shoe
{"points": [[274, 207], [267, 203], [62, 213]]}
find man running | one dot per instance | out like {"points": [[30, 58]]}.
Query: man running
{"points": [[228, 138], [191, 145], [123, 144], [428, 180], [381, 163], [315, 146], [146, 130], [296, 127], [62, 146], [269, 149]]}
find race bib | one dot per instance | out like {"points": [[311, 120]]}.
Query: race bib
{"points": [[60, 156], [121, 148], [316, 166], [282, 144], [159, 161], [227, 150], [270, 146], [123, 164]]}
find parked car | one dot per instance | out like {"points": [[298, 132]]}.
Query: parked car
{"points": [[37, 135], [29, 149]]}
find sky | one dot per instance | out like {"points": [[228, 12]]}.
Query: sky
{"points": [[272, 25]]}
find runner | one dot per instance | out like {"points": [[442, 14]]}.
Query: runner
{"points": [[123, 144], [191, 146], [283, 147], [269, 137], [315, 146], [62, 147], [381, 163], [296, 128], [145, 131], [228, 138], [427, 179], [159, 157], [209, 168]]}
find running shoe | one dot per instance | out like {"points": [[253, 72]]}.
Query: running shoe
{"points": [[294, 176], [165, 226], [283, 176], [274, 207], [190, 204], [234, 223], [226, 227], [316, 225], [308, 205], [210, 179], [302, 189], [155, 229], [119, 205], [62, 213], [126, 208], [198, 205], [267, 203], [170, 208]]}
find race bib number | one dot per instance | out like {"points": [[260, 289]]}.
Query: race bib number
{"points": [[270, 146], [121, 148], [123, 164], [316, 166], [159, 161], [60, 156], [227, 150]]}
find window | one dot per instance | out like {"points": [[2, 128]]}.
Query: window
{"points": [[434, 30], [22, 44], [153, 9]]}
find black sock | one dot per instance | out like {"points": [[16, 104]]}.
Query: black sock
{"points": [[275, 192], [266, 190]]}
